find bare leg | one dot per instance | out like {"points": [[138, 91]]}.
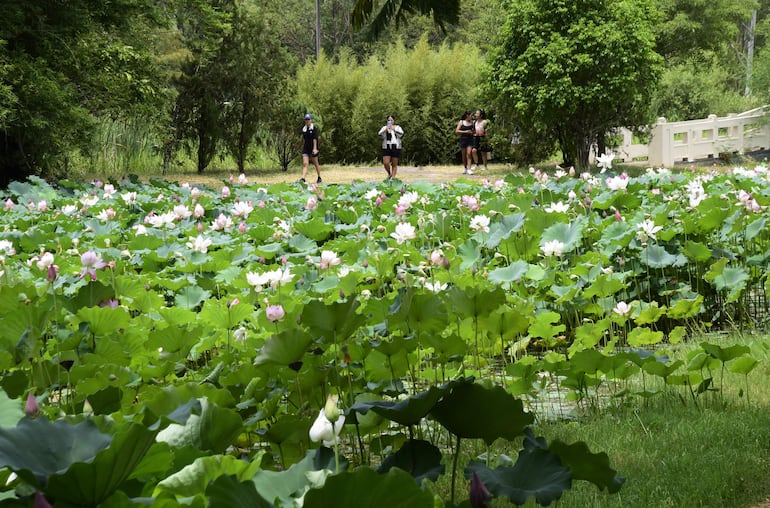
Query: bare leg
{"points": [[394, 167], [305, 160], [386, 162], [317, 166]]}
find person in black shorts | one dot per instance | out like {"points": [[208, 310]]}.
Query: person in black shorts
{"points": [[480, 128], [391, 145], [310, 147], [465, 130]]}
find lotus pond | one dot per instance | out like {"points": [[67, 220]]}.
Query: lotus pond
{"points": [[164, 344]]}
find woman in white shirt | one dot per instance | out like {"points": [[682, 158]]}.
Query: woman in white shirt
{"points": [[391, 145]]}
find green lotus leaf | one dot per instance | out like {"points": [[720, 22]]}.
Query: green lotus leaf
{"points": [[315, 229], [470, 254], [685, 308], [502, 229], [544, 325], [336, 321], [537, 473], [569, 234], [37, 448], [605, 285], [222, 315], [302, 244], [213, 429], [283, 487], [194, 478], [656, 256], [474, 302], [365, 488], [230, 492], [90, 483], [643, 336], [655, 367], [696, 251], [584, 465], [417, 457], [755, 227], [743, 365], [190, 297], [473, 411], [10, 411], [725, 354], [287, 347], [649, 313], [511, 273], [408, 411], [288, 428], [423, 313]]}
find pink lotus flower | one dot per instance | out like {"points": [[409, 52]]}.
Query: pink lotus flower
{"points": [[328, 259], [91, 262], [311, 204], [275, 313]]}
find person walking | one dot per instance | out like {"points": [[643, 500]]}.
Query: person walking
{"points": [[391, 134], [310, 148], [465, 130], [479, 139]]}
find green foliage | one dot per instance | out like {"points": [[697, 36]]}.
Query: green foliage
{"points": [[570, 71], [425, 89]]}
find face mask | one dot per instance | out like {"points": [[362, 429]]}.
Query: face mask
{"points": [[390, 123]]}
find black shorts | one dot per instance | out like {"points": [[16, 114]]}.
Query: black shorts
{"points": [[391, 152], [466, 141]]}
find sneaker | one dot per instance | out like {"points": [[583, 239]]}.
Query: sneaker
{"points": [[484, 168], [319, 180], [475, 167], [469, 172], [301, 180]]}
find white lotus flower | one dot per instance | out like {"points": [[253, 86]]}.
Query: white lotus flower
{"points": [[622, 309], [278, 277], [404, 232], [436, 287], [617, 183], [45, 261], [647, 229], [480, 223], [69, 209], [222, 222], [128, 198], [164, 219], [328, 259], [558, 207], [604, 161], [324, 430], [257, 280], [199, 244], [553, 248], [109, 191], [181, 212], [371, 194], [408, 199], [242, 209]]}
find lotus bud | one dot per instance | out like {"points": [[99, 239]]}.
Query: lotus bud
{"points": [[331, 411], [41, 501], [31, 408], [87, 408], [479, 493]]}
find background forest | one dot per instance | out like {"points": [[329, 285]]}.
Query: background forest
{"points": [[144, 86]]}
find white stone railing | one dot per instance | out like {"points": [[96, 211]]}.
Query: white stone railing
{"points": [[698, 140]]}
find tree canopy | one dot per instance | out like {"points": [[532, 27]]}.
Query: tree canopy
{"points": [[573, 69]]}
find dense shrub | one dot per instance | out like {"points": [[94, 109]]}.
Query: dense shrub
{"points": [[425, 89]]}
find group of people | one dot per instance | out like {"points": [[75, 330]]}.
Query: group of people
{"points": [[471, 129]]}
